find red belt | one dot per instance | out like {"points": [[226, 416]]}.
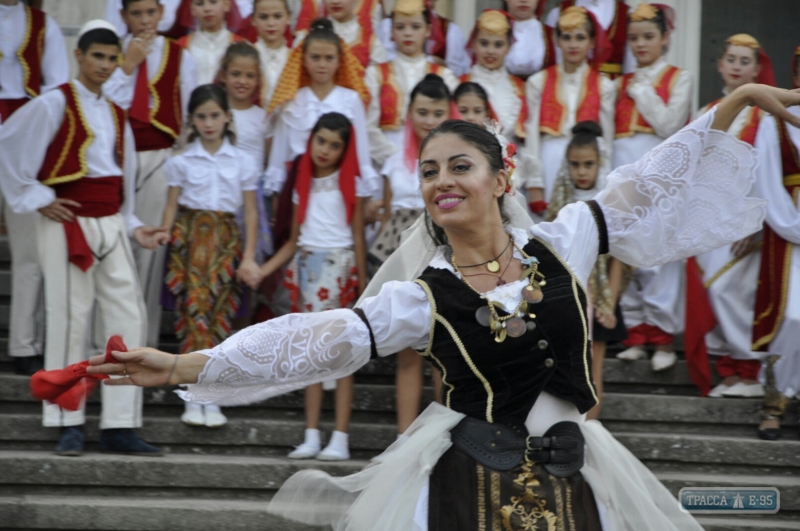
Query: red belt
{"points": [[8, 107], [99, 197], [149, 138]]}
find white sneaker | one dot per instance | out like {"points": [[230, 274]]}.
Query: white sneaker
{"points": [[214, 417], [719, 390], [662, 361], [337, 449], [310, 447], [634, 353], [743, 390], [193, 416]]}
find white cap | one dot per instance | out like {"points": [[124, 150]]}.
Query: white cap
{"points": [[96, 24]]}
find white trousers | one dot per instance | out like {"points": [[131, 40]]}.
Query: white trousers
{"points": [[26, 330], [151, 200], [70, 297], [657, 296], [733, 297]]}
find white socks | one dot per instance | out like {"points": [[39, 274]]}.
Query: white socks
{"points": [[337, 449], [310, 447]]}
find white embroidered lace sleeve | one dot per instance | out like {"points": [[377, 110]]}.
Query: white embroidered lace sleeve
{"points": [[685, 197], [300, 349]]}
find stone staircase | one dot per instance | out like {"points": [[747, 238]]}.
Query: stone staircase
{"points": [[222, 479]]}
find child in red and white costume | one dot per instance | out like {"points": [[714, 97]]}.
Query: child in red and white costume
{"points": [[33, 60], [652, 103], [69, 154], [534, 47], [721, 284]]}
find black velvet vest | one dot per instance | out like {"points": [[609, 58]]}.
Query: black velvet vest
{"points": [[499, 382]]}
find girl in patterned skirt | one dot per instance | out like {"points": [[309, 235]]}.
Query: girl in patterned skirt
{"points": [[328, 256], [208, 183]]}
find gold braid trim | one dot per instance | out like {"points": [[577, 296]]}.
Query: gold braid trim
{"points": [[428, 351], [71, 122], [26, 69], [154, 93], [707, 284]]}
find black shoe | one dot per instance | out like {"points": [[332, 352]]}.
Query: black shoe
{"points": [[71, 442], [125, 441], [29, 365], [770, 434]]}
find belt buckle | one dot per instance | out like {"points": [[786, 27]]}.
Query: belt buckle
{"points": [[529, 448]]}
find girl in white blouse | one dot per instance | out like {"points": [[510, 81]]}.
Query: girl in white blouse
{"points": [[561, 96], [208, 184], [321, 76], [328, 257], [271, 18], [429, 107], [653, 103], [533, 48]]}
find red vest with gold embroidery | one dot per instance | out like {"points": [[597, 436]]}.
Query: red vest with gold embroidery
{"points": [[750, 129], [31, 51], [553, 112], [617, 34], [772, 293], [362, 47], [65, 159], [519, 91], [392, 98], [628, 120]]}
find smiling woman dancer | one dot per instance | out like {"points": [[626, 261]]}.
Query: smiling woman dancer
{"points": [[511, 447]]}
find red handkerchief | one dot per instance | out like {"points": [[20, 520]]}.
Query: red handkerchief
{"points": [[69, 387]]}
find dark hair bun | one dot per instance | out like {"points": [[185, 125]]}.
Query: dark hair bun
{"points": [[587, 128], [433, 77], [321, 24]]}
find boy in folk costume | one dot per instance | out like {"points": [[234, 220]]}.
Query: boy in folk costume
{"points": [[777, 311], [613, 17], [721, 284], [208, 43], [69, 154], [653, 102], [153, 84], [33, 59], [390, 83]]}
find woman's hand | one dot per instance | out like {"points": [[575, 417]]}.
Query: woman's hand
{"points": [[249, 273], [145, 367], [606, 319], [770, 99]]}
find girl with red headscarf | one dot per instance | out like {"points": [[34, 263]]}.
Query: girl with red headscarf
{"points": [[328, 257]]}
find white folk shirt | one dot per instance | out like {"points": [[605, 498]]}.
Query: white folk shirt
{"points": [[273, 60], [527, 53], [325, 225], [456, 57], [120, 87], [251, 133], [212, 182], [25, 137], [502, 95], [207, 50], [55, 65], [296, 120], [408, 72], [403, 182], [537, 162]]}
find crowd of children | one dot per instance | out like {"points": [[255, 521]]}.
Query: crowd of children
{"points": [[215, 156]]}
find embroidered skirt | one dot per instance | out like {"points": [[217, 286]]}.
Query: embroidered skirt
{"points": [[205, 250], [322, 279], [388, 239]]}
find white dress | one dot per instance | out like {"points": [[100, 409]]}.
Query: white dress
{"points": [[543, 152], [251, 132], [656, 296], [408, 72], [297, 119], [731, 282], [783, 216], [709, 208]]}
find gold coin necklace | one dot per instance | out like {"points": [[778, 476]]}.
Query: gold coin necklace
{"points": [[512, 324], [492, 265]]}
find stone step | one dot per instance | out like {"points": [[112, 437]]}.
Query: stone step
{"points": [[748, 523], [666, 452], [653, 409], [136, 514]]}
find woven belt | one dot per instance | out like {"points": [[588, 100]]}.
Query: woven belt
{"points": [[500, 447]]}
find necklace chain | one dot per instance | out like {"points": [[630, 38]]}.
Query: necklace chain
{"points": [[510, 240]]}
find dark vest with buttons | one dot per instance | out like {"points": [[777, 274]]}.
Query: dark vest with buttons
{"points": [[499, 382]]}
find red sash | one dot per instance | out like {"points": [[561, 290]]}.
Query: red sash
{"points": [[31, 51], [165, 113], [628, 120], [617, 34], [553, 112], [776, 257], [519, 91]]}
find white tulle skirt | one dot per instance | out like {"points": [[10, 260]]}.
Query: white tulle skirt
{"points": [[391, 493]]}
